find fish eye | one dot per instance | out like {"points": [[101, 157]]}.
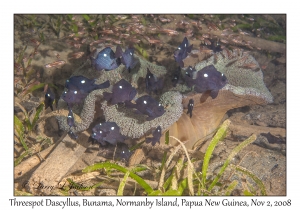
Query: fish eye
{"points": [[82, 81], [75, 91], [205, 75], [120, 87], [104, 55], [112, 128], [145, 102]]}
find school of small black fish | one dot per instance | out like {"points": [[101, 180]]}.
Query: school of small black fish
{"points": [[124, 93]]}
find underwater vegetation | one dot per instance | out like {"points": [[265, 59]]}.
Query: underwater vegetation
{"points": [[143, 102]]}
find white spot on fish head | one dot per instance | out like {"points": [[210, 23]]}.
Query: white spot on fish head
{"points": [[145, 102], [184, 45], [69, 116], [49, 94], [130, 53], [104, 55], [222, 75], [120, 87], [64, 92], [179, 48], [75, 92], [94, 134], [82, 81], [175, 77], [100, 131], [149, 77], [100, 124], [112, 128], [159, 104], [205, 75], [68, 80], [158, 130]]}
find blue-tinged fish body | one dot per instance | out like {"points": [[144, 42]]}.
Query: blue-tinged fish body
{"points": [[182, 52], [49, 99], [123, 152], [190, 107], [190, 73], [122, 91], [70, 118], [85, 84], [73, 96], [148, 106], [106, 59], [73, 135], [153, 83], [156, 137], [127, 58], [107, 132], [209, 78]]}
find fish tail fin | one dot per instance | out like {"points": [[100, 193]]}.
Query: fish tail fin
{"points": [[129, 104], [105, 84], [214, 93], [107, 96], [189, 49], [119, 52], [148, 140], [181, 64], [118, 61]]}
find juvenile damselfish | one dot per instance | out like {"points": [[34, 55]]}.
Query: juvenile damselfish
{"points": [[148, 106], [209, 79], [182, 52], [190, 73], [122, 91], [177, 77], [190, 107], [106, 59], [153, 83], [79, 87], [107, 132], [49, 99], [85, 84], [70, 118], [127, 58], [73, 135], [73, 96], [156, 137]]}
